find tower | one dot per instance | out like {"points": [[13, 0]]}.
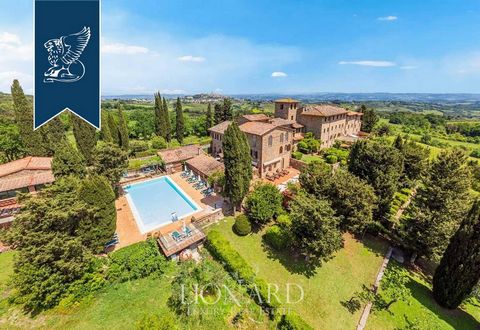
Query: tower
{"points": [[287, 109]]}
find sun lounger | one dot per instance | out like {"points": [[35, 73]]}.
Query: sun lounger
{"points": [[187, 231]]}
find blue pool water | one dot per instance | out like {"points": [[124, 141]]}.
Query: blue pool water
{"points": [[153, 202]]}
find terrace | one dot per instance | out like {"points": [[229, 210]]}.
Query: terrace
{"points": [[178, 240]]}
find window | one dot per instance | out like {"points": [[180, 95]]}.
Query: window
{"points": [[291, 117], [270, 141], [281, 150], [287, 147], [281, 137], [281, 106], [286, 136]]}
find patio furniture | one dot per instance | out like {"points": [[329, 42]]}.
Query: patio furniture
{"points": [[187, 231], [176, 236]]}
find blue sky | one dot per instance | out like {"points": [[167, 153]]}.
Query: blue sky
{"points": [[270, 46]]}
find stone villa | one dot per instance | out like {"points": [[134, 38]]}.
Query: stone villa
{"points": [[273, 139]]}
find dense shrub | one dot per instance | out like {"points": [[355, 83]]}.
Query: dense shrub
{"points": [[137, 146], [276, 237], [303, 147], [291, 321], [136, 261], [284, 221], [242, 225], [263, 203], [331, 159], [297, 155], [221, 249], [166, 321], [158, 142]]}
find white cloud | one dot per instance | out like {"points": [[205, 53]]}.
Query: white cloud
{"points": [[190, 58], [9, 38], [278, 74], [388, 18], [120, 48], [369, 63], [173, 91]]}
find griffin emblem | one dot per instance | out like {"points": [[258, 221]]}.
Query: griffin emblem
{"points": [[64, 54]]}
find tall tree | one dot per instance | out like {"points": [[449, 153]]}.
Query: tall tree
{"points": [[440, 205], [209, 120], [370, 118], [110, 161], [113, 128], [11, 145], [381, 165], [68, 161], [238, 164], [23, 109], [263, 203], [227, 109], [50, 255], [105, 131], [180, 124], [53, 134], [415, 160], [168, 124], [122, 130], [85, 136], [218, 114], [459, 269], [314, 228], [160, 120], [97, 229], [352, 198]]}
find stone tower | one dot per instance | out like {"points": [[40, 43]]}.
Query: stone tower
{"points": [[287, 109]]}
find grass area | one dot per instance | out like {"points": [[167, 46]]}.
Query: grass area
{"points": [[310, 158], [333, 283], [422, 310], [121, 306]]}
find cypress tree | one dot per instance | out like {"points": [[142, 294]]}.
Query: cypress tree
{"points": [[459, 269], [370, 118], [180, 125], [440, 204], [53, 135], [85, 136], [218, 113], [113, 128], [227, 109], [168, 124], [23, 110], [97, 230], [122, 130], [238, 164], [160, 120], [105, 132], [209, 121], [68, 161]]}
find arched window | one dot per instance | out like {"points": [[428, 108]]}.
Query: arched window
{"points": [[281, 150], [270, 141]]}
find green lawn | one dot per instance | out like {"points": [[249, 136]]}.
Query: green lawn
{"points": [[423, 310], [121, 306], [310, 158], [333, 283]]}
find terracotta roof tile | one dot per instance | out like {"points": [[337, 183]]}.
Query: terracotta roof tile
{"points": [[205, 164], [323, 110], [28, 171], [256, 117], [180, 154], [354, 113], [257, 128], [221, 127]]}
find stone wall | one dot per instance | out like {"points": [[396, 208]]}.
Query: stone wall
{"points": [[208, 219]]}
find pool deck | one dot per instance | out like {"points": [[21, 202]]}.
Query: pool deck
{"points": [[128, 231]]}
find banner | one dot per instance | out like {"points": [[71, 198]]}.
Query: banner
{"points": [[67, 59]]}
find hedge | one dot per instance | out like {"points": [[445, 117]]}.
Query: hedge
{"points": [[221, 249], [291, 321], [136, 261]]}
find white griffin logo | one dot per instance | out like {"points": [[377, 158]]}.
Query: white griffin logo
{"points": [[64, 54]]}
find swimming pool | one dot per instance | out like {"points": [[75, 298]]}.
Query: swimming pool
{"points": [[156, 202]]}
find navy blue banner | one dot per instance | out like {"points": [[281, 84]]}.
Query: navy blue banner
{"points": [[67, 59]]}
